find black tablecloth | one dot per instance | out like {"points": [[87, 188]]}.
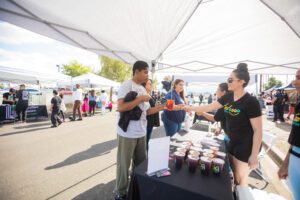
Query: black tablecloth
{"points": [[35, 112], [181, 185]]}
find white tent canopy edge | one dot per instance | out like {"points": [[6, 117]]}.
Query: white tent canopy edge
{"points": [[168, 33]]}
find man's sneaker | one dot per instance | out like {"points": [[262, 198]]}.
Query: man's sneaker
{"points": [[53, 126], [119, 197], [80, 119]]}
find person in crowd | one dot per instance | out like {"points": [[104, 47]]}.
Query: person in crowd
{"points": [[291, 164], [55, 109], [173, 119], [209, 100], [132, 143], [77, 98], [292, 104], [109, 106], [85, 105], [243, 123], [22, 98], [92, 102], [278, 105], [200, 98], [104, 100], [219, 116], [9, 97], [153, 119], [63, 107], [261, 101]]}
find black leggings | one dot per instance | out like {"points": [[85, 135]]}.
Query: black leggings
{"points": [[62, 114], [21, 110], [92, 105]]}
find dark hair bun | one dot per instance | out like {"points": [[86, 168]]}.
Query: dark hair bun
{"points": [[242, 67]]}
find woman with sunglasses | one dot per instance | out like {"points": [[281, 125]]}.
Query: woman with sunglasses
{"points": [[291, 164], [244, 123]]}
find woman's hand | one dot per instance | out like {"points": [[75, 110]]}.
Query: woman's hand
{"points": [[283, 172], [253, 162]]}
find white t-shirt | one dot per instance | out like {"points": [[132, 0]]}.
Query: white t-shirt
{"points": [[103, 98], [77, 95], [136, 129]]}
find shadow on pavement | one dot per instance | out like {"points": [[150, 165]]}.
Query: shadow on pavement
{"points": [[94, 151], [33, 125], [101, 191], [111, 185], [24, 131]]}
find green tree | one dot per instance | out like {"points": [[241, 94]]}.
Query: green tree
{"points": [[75, 69], [114, 69], [272, 82]]}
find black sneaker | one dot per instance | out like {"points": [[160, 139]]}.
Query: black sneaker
{"points": [[53, 126], [80, 119], [119, 197]]}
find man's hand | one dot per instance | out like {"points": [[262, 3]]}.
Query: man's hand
{"points": [[144, 98]]}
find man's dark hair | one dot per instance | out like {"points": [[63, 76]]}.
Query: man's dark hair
{"points": [[139, 65], [102, 91], [11, 90], [22, 85], [55, 92], [223, 87]]}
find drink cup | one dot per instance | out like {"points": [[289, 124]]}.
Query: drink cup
{"points": [[221, 155], [208, 151], [217, 166], [214, 149], [209, 155], [194, 153], [193, 163], [205, 165], [179, 159], [170, 104]]}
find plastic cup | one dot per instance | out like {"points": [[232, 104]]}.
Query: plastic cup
{"points": [[197, 145], [217, 166], [170, 104], [182, 150], [205, 165], [221, 155], [208, 151], [193, 163], [179, 159], [195, 153], [214, 149], [209, 155]]}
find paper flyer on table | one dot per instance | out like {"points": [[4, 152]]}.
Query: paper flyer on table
{"points": [[158, 154]]}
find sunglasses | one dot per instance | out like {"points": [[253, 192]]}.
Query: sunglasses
{"points": [[230, 80]]}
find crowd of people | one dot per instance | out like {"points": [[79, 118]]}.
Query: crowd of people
{"points": [[239, 113]]}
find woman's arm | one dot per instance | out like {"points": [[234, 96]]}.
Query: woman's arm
{"points": [[283, 170], [256, 124], [208, 116], [206, 108]]}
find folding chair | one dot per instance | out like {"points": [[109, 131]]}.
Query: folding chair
{"points": [[269, 139]]}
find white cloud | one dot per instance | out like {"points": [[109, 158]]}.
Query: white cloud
{"points": [[35, 52], [11, 34]]}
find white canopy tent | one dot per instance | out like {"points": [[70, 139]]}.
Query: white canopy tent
{"points": [[15, 75], [189, 36], [90, 80]]}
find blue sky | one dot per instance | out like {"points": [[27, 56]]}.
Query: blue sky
{"points": [[20, 48]]}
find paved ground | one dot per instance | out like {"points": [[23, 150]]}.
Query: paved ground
{"points": [[73, 161]]}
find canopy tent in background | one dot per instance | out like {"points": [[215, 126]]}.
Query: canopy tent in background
{"points": [[15, 75], [89, 80], [275, 87], [287, 87], [192, 36]]}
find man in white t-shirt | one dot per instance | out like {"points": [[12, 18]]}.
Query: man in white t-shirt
{"points": [[132, 143], [77, 98], [103, 99]]}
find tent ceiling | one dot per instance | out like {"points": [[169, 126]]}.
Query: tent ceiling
{"points": [[189, 36]]}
